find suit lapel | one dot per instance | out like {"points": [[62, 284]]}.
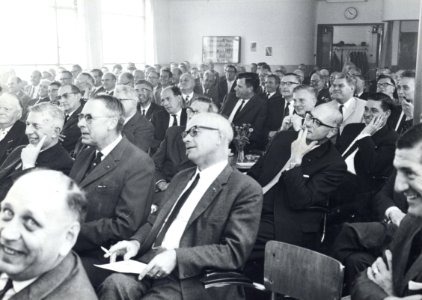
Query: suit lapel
{"points": [[248, 106], [73, 118], [106, 166]]}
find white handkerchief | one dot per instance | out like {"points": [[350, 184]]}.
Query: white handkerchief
{"points": [[414, 286], [125, 266]]}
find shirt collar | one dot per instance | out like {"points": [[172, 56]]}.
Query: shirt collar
{"points": [[106, 151], [17, 285], [212, 170], [190, 95], [146, 107]]}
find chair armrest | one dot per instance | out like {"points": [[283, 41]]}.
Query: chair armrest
{"points": [[213, 278]]}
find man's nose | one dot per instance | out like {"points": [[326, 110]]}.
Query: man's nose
{"points": [[400, 184], [10, 231]]}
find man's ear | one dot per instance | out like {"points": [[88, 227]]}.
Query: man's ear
{"points": [[70, 238], [332, 132]]}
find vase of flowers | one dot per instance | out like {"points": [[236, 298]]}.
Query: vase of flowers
{"points": [[241, 139]]}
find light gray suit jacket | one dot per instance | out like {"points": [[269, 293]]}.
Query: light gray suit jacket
{"points": [[220, 233]]}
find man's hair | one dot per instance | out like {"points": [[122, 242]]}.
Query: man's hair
{"points": [[68, 73], [111, 75], [154, 72], [350, 79], [386, 102], [276, 78], [265, 66], [118, 66], [211, 108], [231, 66], [167, 70], [77, 67], [125, 92], [115, 106], [220, 122], [179, 72], [97, 71], [146, 82], [408, 74], [387, 77], [411, 137], [18, 101], [304, 87], [90, 78], [128, 75], [251, 80], [56, 83], [55, 113], [175, 89], [294, 75], [73, 89]]}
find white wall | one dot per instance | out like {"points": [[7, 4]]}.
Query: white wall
{"points": [[285, 25], [401, 10]]}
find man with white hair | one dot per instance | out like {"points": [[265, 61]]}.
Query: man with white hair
{"points": [[12, 131], [186, 85], [43, 127], [32, 89], [40, 219], [42, 93], [209, 220], [137, 129]]}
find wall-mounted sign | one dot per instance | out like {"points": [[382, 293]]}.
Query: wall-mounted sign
{"points": [[221, 49]]}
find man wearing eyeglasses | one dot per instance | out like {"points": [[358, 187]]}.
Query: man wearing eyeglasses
{"points": [[71, 104], [147, 107], [117, 178], [297, 174], [209, 221], [227, 83], [109, 83]]}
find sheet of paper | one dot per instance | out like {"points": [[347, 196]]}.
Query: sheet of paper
{"points": [[125, 266]]}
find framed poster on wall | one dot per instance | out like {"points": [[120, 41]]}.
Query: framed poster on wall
{"points": [[221, 49]]}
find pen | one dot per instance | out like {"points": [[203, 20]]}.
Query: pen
{"points": [[106, 251]]}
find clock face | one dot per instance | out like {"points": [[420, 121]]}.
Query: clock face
{"points": [[351, 13]]}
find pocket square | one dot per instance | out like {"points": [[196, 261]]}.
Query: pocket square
{"points": [[101, 186], [414, 286], [305, 176]]}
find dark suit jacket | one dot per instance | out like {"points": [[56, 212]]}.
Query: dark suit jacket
{"points": [[170, 157], [37, 100], [66, 281], [255, 113], [220, 233], [71, 131], [98, 90], [288, 202], [365, 289], [160, 120], [212, 93], [118, 190], [223, 89], [374, 159], [154, 107], [54, 158], [15, 137], [323, 96], [275, 112], [140, 132]]}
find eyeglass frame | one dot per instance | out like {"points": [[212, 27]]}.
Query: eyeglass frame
{"points": [[384, 84], [310, 117], [193, 131]]}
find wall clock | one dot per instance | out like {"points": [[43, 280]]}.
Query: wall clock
{"points": [[351, 13]]}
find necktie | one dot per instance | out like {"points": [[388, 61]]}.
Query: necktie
{"points": [[175, 211], [239, 109], [341, 108], [287, 110], [94, 163], [187, 100], [8, 286], [143, 112], [174, 120], [66, 117]]}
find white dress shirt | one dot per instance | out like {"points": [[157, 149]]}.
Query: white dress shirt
{"points": [[206, 178], [106, 151], [236, 107], [178, 116], [17, 285]]}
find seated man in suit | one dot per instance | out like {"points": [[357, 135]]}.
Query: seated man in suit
{"points": [[368, 149], [275, 104], [318, 82], [173, 114], [248, 107], [171, 157], [71, 104], [398, 273], [146, 106], [117, 178], [53, 92], [137, 129], [14, 86], [210, 220], [32, 89], [40, 221], [166, 77], [297, 173], [210, 88], [12, 131], [187, 85], [43, 127], [227, 83], [342, 91], [42, 93], [304, 101], [406, 93], [109, 83]]}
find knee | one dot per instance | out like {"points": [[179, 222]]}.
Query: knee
{"points": [[119, 286]]}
